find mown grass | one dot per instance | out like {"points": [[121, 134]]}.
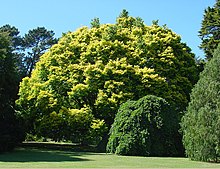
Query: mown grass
{"points": [[43, 158]]}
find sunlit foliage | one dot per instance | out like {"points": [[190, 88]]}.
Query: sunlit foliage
{"points": [[97, 69]]}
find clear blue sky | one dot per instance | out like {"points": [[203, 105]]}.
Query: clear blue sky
{"points": [[182, 16]]}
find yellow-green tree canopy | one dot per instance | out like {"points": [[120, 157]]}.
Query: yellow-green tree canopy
{"points": [[97, 69]]}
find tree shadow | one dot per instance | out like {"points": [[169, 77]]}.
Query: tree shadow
{"points": [[40, 155]]}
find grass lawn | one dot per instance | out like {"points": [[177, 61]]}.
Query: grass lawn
{"points": [[42, 158]]}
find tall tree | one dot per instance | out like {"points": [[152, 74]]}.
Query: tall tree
{"points": [[201, 123], [36, 42], [210, 30], [16, 46], [10, 134]]}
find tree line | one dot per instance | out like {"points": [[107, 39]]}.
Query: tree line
{"points": [[125, 85], [18, 56]]}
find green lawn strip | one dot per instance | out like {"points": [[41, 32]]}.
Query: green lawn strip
{"points": [[42, 158]]}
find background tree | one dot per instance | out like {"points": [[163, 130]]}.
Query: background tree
{"points": [[145, 127], [35, 43], [95, 23], [124, 14], [16, 46], [201, 123], [102, 67], [210, 30], [10, 131], [13, 32]]}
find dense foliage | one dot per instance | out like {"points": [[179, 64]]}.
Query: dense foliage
{"points": [[10, 133], [201, 123], [210, 30], [94, 70], [16, 46], [145, 127]]}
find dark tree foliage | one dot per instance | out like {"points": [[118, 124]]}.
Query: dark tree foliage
{"points": [[36, 42], [210, 30], [200, 62], [201, 123], [124, 14], [13, 32], [18, 56], [146, 127], [16, 46], [10, 133]]}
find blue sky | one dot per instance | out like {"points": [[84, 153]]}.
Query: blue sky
{"points": [[182, 16]]}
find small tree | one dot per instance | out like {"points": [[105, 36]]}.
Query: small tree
{"points": [[201, 123], [145, 127]]}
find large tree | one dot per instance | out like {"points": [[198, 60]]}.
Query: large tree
{"points": [[97, 69], [35, 43], [201, 123], [210, 30], [10, 133]]}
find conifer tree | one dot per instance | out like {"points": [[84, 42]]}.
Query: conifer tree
{"points": [[201, 123], [210, 30]]}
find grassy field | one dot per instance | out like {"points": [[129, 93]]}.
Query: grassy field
{"points": [[42, 158]]}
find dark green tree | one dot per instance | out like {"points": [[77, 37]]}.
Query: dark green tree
{"points": [[36, 42], [210, 30], [201, 123], [146, 127], [124, 14], [14, 34], [10, 133], [16, 46]]}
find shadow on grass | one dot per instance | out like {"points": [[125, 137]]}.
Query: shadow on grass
{"points": [[38, 155]]}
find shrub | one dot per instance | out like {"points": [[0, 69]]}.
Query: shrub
{"points": [[145, 127]]}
